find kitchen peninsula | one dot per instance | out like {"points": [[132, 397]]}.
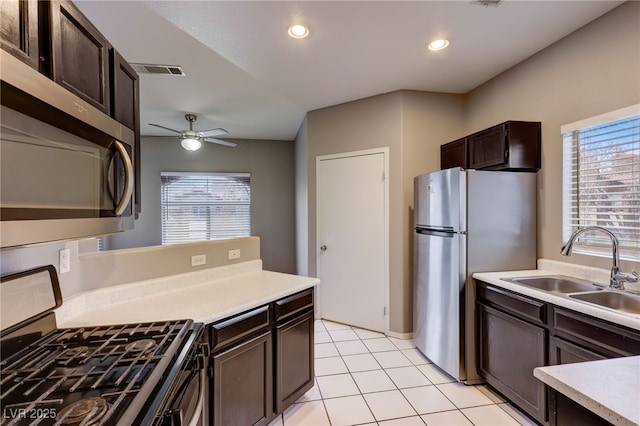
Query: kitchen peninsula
{"points": [[205, 296], [259, 328]]}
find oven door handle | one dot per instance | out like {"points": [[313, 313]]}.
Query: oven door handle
{"points": [[128, 179], [197, 415], [176, 416]]}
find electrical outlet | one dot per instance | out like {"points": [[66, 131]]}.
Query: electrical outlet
{"points": [[198, 260], [64, 257], [234, 254]]}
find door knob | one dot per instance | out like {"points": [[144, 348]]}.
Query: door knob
{"points": [[323, 248]]}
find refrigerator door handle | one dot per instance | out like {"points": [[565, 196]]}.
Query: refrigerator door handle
{"points": [[435, 232]]}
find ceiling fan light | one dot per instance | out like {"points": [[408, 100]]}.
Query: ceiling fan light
{"points": [[191, 144]]}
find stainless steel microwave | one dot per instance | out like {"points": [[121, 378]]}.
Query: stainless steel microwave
{"points": [[66, 169]]}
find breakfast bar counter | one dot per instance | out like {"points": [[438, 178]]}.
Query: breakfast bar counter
{"points": [[610, 388]]}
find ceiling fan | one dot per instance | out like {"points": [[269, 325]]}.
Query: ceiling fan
{"points": [[191, 140]]}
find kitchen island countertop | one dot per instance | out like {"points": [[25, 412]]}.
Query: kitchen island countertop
{"points": [[608, 387], [203, 296]]}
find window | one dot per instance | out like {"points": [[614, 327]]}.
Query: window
{"points": [[601, 181], [205, 206]]}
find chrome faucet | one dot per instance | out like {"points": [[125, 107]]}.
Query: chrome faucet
{"points": [[618, 278]]}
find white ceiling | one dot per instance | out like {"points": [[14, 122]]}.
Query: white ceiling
{"points": [[245, 74]]}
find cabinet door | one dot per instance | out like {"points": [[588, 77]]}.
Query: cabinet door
{"points": [[19, 29], [488, 148], [595, 335], [563, 352], [454, 154], [242, 386], [567, 412], [509, 350], [80, 55], [294, 360], [125, 105]]}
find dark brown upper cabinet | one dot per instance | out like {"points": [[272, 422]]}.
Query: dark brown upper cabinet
{"points": [[513, 145], [454, 154], [125, 92], [19, 30], [79, 55], [125, 107]]}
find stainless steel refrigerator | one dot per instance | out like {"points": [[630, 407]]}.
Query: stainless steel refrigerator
{"points": [[465, 222]]}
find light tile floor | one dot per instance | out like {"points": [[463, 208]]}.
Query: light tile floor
{"points": [[366, 378]]}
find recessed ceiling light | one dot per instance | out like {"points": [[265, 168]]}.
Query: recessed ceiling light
{"points": [[298, 31], [438, 44]]}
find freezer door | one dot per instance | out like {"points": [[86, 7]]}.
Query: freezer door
{"points": [[440, 200], [439, 278]]}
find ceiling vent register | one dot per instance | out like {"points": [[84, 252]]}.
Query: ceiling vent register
{"points": [[158, 69], [487, 3]]}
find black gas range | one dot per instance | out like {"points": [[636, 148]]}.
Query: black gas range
{"points": [[126, 374]]}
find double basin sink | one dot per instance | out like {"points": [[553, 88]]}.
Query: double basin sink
{"points": [[582, 291]]}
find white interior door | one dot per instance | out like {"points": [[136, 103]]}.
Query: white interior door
{"points": [[352, 213]]}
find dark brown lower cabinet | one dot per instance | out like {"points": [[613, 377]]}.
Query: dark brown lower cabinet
{"points": [[580, 338], [294, 360], [517, 333], [262, 361], [566, 412], [242, 387], [509, 351], [563, 352]]}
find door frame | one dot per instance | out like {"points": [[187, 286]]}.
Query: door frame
{"points": [[385, 152]]}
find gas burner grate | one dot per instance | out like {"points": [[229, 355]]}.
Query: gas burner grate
{"points": [[45, 382]]}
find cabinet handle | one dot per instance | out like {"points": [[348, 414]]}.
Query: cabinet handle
{"points": [[323, 248]]}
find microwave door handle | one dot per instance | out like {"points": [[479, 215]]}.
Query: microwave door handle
{"points": [[128, 179]]}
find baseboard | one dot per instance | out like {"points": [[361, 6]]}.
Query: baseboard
{"points": [[403, 336]]}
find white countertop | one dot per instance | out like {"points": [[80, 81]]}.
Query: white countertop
{"points": [[610, 388], [617, 317], [203, 296]]}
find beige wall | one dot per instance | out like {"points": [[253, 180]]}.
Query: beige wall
{"points": [[302, 201], [428, 119], [412, 125], [103, 269], [271, 164], [115, 267], [590, 72]]}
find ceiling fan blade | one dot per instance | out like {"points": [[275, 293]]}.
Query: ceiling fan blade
{"points": [[213, 132], [221, 142], [166, 128]]}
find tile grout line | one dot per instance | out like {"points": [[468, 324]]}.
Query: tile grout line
{"points": [[345, 327], [384, 370]]}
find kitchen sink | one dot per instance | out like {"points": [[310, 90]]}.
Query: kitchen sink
{"points": [[613, 300], [554, 283]]}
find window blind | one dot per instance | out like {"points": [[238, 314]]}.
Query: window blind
{"points": [[205, 206], [601, 177]]}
